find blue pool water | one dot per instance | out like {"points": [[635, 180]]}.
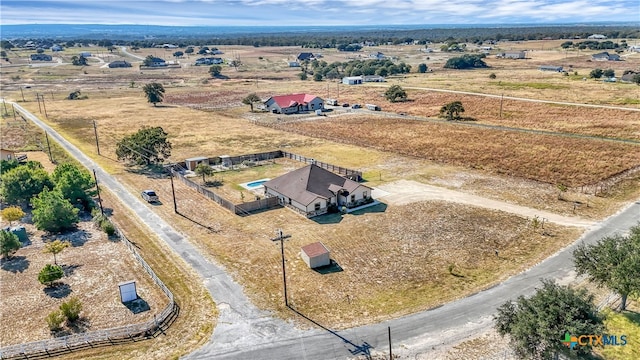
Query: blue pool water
{"points": [[256, 184]]}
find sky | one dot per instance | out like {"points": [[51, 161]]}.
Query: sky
{"points": [[316, 12]]}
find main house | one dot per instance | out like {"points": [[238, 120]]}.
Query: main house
{"points": [[293, 103], [312, 190]]}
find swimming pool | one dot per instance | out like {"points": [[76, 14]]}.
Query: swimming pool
{"points": [[254, 185]]}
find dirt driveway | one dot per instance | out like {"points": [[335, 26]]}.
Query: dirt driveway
{"points": [[404, 192]]}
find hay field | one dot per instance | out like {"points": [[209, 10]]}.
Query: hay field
{"points": [[551, 159]]}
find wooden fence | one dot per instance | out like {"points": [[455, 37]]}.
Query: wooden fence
{"points": [[92, 339], [349, 173]]}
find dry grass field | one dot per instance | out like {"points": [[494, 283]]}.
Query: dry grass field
{"points": [[551, 159], [93, 265], [394, 259]]}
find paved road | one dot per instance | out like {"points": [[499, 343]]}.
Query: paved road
{"points": [[245, 332]]}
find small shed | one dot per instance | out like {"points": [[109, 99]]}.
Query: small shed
{"points": [[315, 255], [193, 162]]}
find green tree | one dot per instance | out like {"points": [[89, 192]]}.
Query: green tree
{"points": [[71, 309], [147, 146], [251, 99], [74, 183], [636, 79], [12, 213], [317, 76], [422, 68], [596, 73], [56, 247], [215, 70], [54, 320], [178, 54], [22, 183], [78, 60], [154, 92], [188, 50], [466, 61], [204, 170], [613, 262], [52, 212], [609, 73], [492, 76], [395, 93], [537, 325], [452, 110], [3, 54], [6, 165], [9, 243], [148, 61], [49, 274], [303, 76]]}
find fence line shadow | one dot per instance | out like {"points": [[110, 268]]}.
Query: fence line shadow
{"points": [[364, 349]]}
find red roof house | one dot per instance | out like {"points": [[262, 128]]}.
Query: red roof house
{"points": [[294, 103]]}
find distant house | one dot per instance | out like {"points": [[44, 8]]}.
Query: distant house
{"points": [[41, 57], [209, 61], [512, 55], [377, 55], [305, 56], [315, 255], [293, 103], [157, 62], [119, 64], [56, 48], [311, 190], [293, 64], [596, 37], [605, 56], [352, 80], [85, 54], [550, 68], [634, 48], [372, 78]]}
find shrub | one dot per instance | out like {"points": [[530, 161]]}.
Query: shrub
{"points": [[9, 243], [49, 274], [71, 309], [108, 228], [54, 320], [492, 76]]}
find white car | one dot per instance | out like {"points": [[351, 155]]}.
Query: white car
{"points": [[149, 196]]}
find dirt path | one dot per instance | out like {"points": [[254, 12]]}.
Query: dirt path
{"points": [[404, 192]]}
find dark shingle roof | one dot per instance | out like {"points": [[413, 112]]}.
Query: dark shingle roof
{"points": [[306, 184]]}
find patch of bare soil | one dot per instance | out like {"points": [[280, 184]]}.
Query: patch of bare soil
{"points": [[94, 265]]}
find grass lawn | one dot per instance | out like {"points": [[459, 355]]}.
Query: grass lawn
{"points": [[623, 323]]}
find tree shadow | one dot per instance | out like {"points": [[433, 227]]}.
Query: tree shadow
{"points": [[152, 171], [364, 349], [58, 290], [15, 264], [333, 267], [137, 306], [79, 326], [69, 269], [76, 238], [632, 316]]}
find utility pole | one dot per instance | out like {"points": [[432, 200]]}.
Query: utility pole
{"points": [[5, 107], [44, 107], [22, 93], [46, 135], [173, 190], [390, 353], [98, 191], [281, 237], [95, 131], [38, 98], [501, 98], [14, 111]]}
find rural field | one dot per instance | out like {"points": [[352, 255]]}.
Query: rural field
{"points": [[393, 259]]}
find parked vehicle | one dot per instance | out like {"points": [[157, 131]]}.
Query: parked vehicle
{"points": [[356, 106], [373, 107], [150, 196], [345, 105]]}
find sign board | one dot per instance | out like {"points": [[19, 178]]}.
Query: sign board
{"points": [[128, 291]]}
